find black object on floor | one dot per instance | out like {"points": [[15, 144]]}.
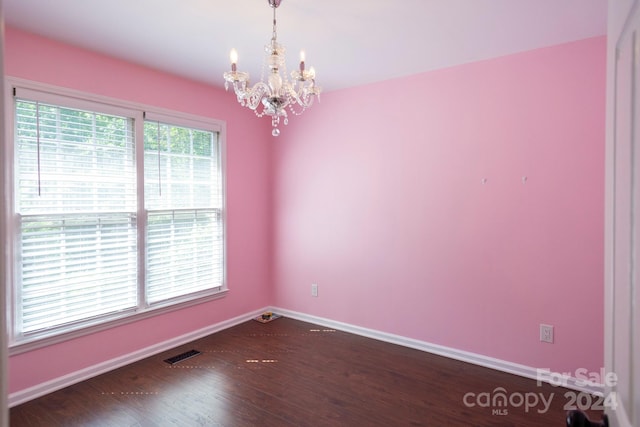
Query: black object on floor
{"points": [[580, 419], [182, 356]]}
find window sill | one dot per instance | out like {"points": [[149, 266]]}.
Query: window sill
{"points": [[30, 344]]}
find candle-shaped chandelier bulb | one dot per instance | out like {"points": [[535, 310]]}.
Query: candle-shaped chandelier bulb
{"points": [[233, 56], [278, 93], [302, 58]]}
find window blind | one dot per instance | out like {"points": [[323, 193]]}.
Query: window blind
{"points": [[76, 207], [183, 204]]}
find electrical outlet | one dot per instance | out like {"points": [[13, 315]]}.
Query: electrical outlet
{"points": [[314, 289], [546, 333]]}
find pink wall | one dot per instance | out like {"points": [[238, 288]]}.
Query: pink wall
{"points": [[248, 198], [379, 199]]}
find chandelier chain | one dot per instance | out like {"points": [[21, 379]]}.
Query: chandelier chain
{"points": [[274, 35]]}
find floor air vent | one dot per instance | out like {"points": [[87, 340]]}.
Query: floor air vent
{"points": [[182, 356]]}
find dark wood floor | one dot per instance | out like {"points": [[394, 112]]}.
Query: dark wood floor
{"points": [[291, 373]]}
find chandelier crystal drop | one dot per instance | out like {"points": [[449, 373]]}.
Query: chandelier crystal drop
{"points": [[278, 93]]}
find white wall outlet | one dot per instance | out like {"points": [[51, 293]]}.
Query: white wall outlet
{"points": [[314, 289], [546, 333]]}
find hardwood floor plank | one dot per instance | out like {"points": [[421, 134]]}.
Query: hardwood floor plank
{"points": [[292, 373]]}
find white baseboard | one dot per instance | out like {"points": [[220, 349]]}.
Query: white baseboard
{"points": [[452, 353], [42, 389], [39, 390]]}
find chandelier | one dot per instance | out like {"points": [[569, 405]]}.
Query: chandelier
{"points": [[279, 92]]}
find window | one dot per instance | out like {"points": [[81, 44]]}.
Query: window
{"points": [[115, 215], [183, 202]]}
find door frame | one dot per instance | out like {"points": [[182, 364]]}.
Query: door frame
{"points": [[620, 323]]}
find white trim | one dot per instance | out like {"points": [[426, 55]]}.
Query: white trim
{"points": [[618, 416], [4, 350], [102, 324], [617, 337], [58, 97], [182, 120], [17, 82], [59, 383], [55, 384], [452, 353]]}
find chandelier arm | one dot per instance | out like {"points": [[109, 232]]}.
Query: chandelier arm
{"points": [[304, 93], [255, 94], [302, 105]]}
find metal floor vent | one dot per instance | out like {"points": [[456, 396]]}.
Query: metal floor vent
{"points": [[182, 356]]}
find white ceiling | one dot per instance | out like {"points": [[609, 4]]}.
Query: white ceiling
{"points": [[349, 42]]}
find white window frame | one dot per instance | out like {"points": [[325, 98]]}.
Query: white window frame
{"points": [[77, 99]]}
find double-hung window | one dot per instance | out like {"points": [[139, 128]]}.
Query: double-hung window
{"points": [[117, 213]]}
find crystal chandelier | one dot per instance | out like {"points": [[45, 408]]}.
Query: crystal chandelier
{"points": [[278, 93]]}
